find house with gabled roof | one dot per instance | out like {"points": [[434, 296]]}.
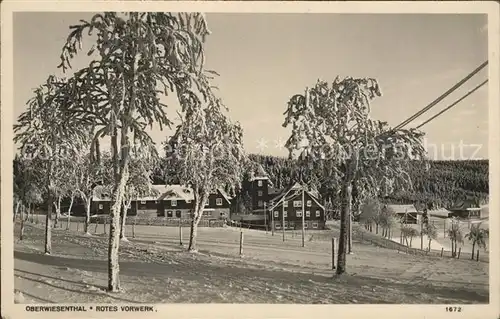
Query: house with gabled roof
{"points": [[267, 206], [170, 201], [296, 204], [408, 213], [465, 209]]}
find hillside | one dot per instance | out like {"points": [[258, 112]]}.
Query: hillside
{"points": [[445, 183]]}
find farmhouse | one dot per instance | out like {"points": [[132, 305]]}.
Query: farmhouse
{"points": [[465, 209], [267, 206], [171, 201], [294, 205], [407, 213]]}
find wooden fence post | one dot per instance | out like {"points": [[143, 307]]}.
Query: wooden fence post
{"points": [[459, 250], [241, 244], [442, 250], [333, 253], [180, 232]]}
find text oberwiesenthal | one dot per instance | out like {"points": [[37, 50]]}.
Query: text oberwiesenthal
{"points": [[84, 308]]}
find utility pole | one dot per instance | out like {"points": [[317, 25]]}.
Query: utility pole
{"points": [[349, 242], [272, 218], [303, 217], [283, 217], [265, 216]]}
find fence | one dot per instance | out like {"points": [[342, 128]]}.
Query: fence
{"points": [[131, 220], [362, 235]]}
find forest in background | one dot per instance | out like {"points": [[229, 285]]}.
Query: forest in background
{"points": [[446, 183]]}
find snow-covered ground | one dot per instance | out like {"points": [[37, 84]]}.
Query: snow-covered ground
{"points": [[155, 269]]}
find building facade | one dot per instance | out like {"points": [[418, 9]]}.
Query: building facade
{"points": [[296, 206], [408, 214], [270, 205], [169, 201]]}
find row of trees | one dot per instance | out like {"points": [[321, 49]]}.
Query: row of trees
{"points": [[117, 96], [373, 212]]}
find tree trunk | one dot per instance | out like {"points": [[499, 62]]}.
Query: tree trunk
{"points": [[376, 228], [58, 211], [69, 212], [87, 217], [421, 241], [473, 248], [16, 210], [430, 244], [21, 233], [193, 233], [48, 218], [344, 221], [124, 221], [195, 220], [411, 240], [114, 233], [32, 213], [452, 250], [27, 215]]}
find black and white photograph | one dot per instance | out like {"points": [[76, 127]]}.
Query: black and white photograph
{"points": [[193, 154]]}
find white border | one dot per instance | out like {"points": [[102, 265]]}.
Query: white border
{"points": [[10, 310]]}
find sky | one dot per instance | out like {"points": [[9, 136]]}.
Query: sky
{"points": [[264, 59]]}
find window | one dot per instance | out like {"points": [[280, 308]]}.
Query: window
{"points": [[315, 225], [169, 213], [259, 193], [276, 214], [286, 224], [101, 206], [223, 214], [143, 202], [259, 183], [308, 213], [309, 203], [277, 226], [297, 203], [305, 225], [178, 214], [285, 214], [318, 213], [173, 202], [205, 213], [285, 204], [188, 201], [292, 224], [218, 201], [260, 203], [156, 202], [298, 213]]}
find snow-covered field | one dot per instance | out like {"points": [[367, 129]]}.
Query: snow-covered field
{"points": [[156, 269]]}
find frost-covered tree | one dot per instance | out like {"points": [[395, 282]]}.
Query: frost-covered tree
{"points": [[478, 236], [206, 151], [118, 93], [46, 133], [333, 131]]}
